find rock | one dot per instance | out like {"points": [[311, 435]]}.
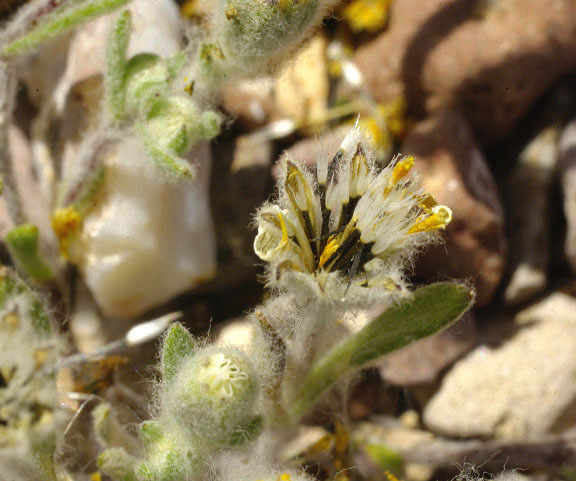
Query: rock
{"points": [[568, 184], [455, 172], [490, 59], [147, 239], [300, 93], [521, 390], [528, 197], [421, 362], [34, 204]]}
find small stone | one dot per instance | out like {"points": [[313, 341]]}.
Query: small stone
{"points": [[300, 94], [521, 390], [421, 362], [455, 172], [568, 184], [491, 59], [302, 90], [528, 193]]}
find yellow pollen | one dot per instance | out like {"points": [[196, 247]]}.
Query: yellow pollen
{"points": [[65, 222], [284, 477], [284, 230], [427, 202], [439, 218], [331, 247], [402, 169], [390, 476]]}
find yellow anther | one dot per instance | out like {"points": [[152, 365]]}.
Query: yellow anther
{"points": [[367, 15], [231, 13], [284, 230], [190, 8], [439, 217], [390, 476], [283, 4], [66, 222], [402, 169], [331, 247], [284, 477], [427, 202], [394, 114], [189, 87]]}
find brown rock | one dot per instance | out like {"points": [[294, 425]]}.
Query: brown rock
{"points": [[491, 59], [421, 362], [568, 183], [35, 206], [528, 195], [455, 172]]}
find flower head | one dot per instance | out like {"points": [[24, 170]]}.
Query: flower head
{"points": [[349, 227]]}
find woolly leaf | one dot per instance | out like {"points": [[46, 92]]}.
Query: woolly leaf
{"points": [[118, 40], [59, 22], [118, 464], [246, 432], [427, 311], [178, 345], [11, 286]]}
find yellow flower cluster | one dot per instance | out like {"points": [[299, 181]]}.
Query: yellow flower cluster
{"points": [[349, 220]]}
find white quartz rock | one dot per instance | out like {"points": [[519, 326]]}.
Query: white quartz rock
{"points": [[149, 238]]}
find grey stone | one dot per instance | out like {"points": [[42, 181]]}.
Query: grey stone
{"points": [[521, 390], [528, 194]]}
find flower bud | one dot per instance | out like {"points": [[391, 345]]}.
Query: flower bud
{"points": [[214, 394]]}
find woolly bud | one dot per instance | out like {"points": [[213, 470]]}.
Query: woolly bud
{"points": [[170, 454], [252, 36], [214, 394]]}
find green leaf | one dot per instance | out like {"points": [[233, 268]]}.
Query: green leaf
{"points": [[385, 458], [246, 432], [172, 165], [151, 432], [59, 22], [178, 345], [23, 245], [427, 311], [118, 464], [118, 41]]}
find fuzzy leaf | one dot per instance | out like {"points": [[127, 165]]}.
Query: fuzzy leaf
{"points": [[172, 165], [59, 22], [178, 345], [427, 311], [118, 464], [23, 243], [246, 432], [118, 40]]}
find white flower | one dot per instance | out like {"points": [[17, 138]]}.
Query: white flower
{"points": [[349, 228]]}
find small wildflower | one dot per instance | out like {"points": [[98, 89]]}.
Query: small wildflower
{"points": [[367, 15], [350, 226]]}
